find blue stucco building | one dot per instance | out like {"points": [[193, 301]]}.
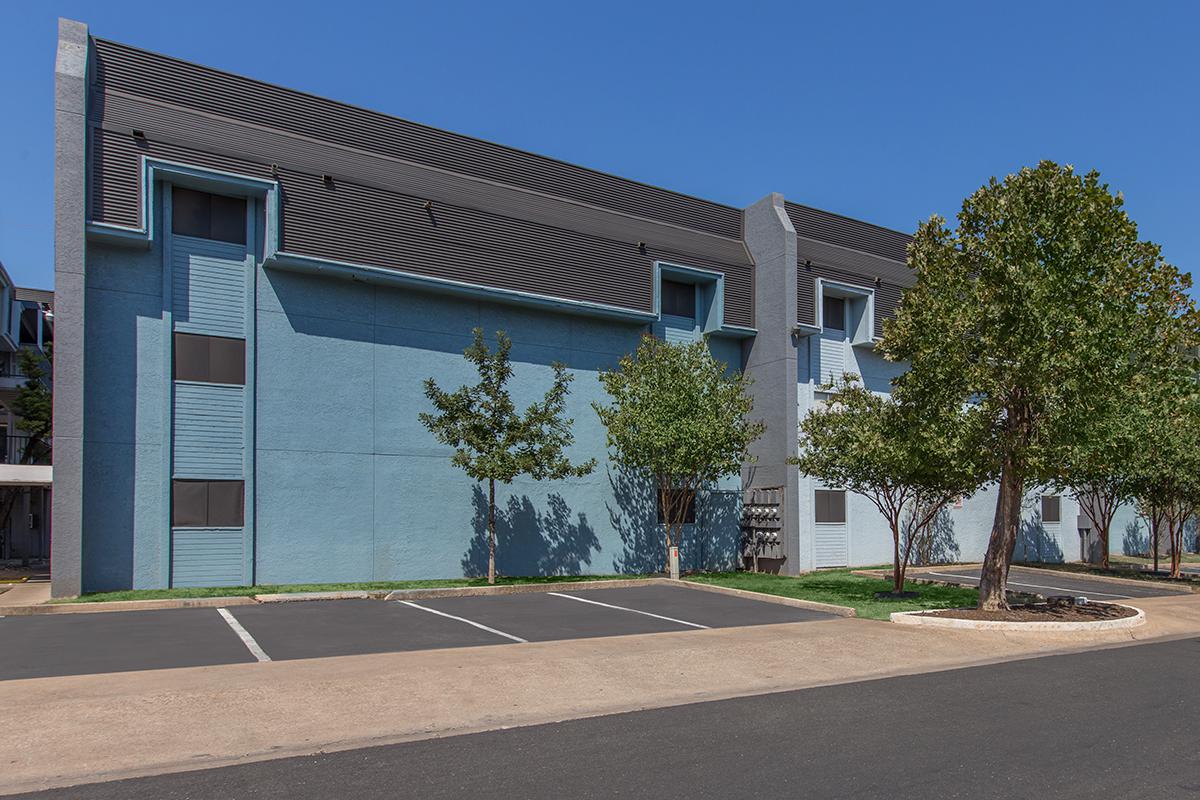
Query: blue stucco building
{"points": [[252, 284]]}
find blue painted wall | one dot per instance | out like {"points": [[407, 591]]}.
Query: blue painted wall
{"points": [[962, 532], [352, 487], [124, 396]]}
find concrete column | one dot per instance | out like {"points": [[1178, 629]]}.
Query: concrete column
{"points": [[771, 361], [70, 213]]}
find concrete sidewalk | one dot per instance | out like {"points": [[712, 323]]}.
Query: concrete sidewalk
{"points": [[32, 592], [97, 727]]}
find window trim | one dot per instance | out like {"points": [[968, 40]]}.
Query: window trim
{"points": [[816, 513], [1057, 498]]}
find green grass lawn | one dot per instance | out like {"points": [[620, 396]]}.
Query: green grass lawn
{"points": [[842, 588], [246, 591]]}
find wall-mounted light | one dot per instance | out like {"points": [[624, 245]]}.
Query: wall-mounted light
{"points": [[807, 264], [139, 134], [327, 180], [428, 206], [878, 281], [641, 247], [275, 170]]}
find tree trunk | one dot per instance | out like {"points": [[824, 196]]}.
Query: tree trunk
{"points": [[897, 572], [491, 530], [1155, 530], [993, 578]]}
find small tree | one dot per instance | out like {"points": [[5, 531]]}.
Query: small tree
{"points": [[34, 407], [1043, 296], [910, 460], [678, 417], [491, 441]]}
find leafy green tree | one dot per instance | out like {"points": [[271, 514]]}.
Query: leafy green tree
{"points": [[1166, 467], [910, 460], [1043, 296], [33, 406], [679, 418], [491, 440]]}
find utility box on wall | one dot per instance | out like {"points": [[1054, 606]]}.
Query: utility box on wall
{"points": [[762, 527]]}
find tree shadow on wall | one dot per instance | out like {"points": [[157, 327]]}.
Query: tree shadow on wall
{"points": [[529, 541], [633, 513], [1034, 542], [1136, 539], [714, 541], [711, 543], [938, 545]]}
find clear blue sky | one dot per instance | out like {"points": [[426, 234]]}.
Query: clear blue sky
{"points": [[884, 111]]}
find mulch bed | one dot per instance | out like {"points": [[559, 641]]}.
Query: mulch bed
{"points": [[1089, 612]]}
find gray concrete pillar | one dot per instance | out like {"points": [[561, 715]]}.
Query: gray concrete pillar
{"points": [[70, 214], [771, 361]]}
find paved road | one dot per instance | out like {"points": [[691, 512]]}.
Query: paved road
{"points": [[1117, 723], [74, 644], [1048, 582]]}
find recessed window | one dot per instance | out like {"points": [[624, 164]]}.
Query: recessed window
{"points": [[210, 359], [1051, 508], [207, 504], [208, 216], [830, 505], [679, 299], [833, 315], [689, 516]]}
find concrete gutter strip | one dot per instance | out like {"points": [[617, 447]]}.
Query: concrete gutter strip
{"points": [[412, 594], [811, 605], [925, 619], [125, 605], [524, 588]]}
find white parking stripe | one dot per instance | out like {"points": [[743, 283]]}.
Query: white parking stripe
{"points": [[481, 626], [631, 610], [244, 635], [1032, 585]]}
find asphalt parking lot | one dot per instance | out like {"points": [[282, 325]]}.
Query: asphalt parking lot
{"points": [[75, 644], [1046, 583]]}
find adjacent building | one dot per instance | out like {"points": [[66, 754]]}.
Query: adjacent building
{"points": [[26, 326], [253, 283]]}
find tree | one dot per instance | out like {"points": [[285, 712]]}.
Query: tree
{"points": [[1042, 297], [679, 418], [1099, 466], [1167, 466], [910, 460], [34, 407], [491, 440]]}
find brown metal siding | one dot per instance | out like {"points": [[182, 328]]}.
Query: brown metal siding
{"points": [[487, 234], [835, 263], [126, 69], [824, 226]]}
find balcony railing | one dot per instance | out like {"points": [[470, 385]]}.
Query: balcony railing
{"points": [[20, 449]]}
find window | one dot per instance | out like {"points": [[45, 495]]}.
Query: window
{"points": [[689, 516], [1051, 508], [30, 320], [831, 505], [210, 359], [833, 315], [208, 216], [679, 299], [207, 504]]}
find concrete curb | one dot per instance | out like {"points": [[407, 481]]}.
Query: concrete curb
{"points": [[411, 594], [1184, 583], [125, 605], [524, 588], [811, 605], [299, 597], [923, 618]]}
